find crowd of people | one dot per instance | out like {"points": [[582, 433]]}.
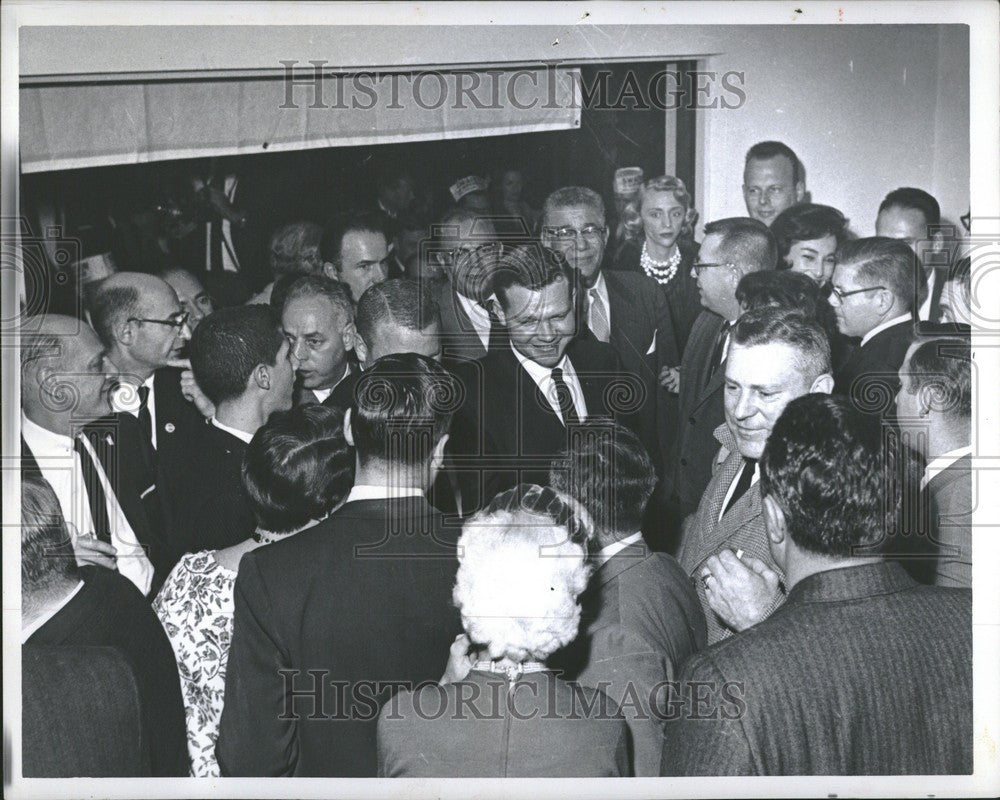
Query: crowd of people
{"points": [[507, 492]]}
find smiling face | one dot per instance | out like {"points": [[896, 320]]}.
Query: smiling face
{"points": [[760, 381], [585, 251], [540, 323], [662, 218], [769, 187], [815, 258], [319, 336]]}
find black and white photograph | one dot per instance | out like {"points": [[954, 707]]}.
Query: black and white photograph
{"points": [[501, 395]]}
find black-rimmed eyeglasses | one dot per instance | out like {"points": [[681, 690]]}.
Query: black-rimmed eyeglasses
{"points": [[178, 320], [567, 233], [700, 265], [841, 296]]}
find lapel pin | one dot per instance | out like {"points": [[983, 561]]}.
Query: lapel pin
{"points": [[169, 427]]}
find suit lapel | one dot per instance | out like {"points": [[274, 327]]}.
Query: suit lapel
{"points": [[622, 304]]}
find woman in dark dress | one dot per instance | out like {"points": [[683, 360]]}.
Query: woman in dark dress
{"points": [[664, 248]]}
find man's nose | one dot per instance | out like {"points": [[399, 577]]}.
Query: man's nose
{"points": [[297, 351], [745, 407], [185, 331]]}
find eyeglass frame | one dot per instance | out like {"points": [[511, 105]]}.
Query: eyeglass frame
{"points": [[456, 254], [598, 231], [835, 292], [182, 319], [698, 265]]}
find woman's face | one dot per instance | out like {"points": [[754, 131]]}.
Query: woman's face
{"points": [[814, 258], [662, 217]]}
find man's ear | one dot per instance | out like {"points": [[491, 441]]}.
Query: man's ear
{"points": [[329, 270], [437, 457], [800, 191], [361, 349], [348, 433], [261, 377], [774, 520], [350, 336], [124, 333], [823, 384], [938, 241]]}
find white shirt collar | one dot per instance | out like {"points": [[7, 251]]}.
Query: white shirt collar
{"points": [[369, 491], [537, 371], [601, 288], [322, 394], [243, 436], [43, 442], [27, 631], [942, 462], [605, 553], [924, 312], [542, 376], [907, 317]]}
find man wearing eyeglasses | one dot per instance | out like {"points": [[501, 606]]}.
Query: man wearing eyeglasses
{"points": [[625, 309], [731, 248], [873, 286], [466, 248], [142, 325]]}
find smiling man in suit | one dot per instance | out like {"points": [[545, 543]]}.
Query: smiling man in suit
{"points": [[329, 621], [775, 356], [524, 400], [862, 671], [78, 448], [624, 309], [731, 249]]}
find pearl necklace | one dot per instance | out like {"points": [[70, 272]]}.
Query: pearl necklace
{"points": [[660, 271], [513, 672]]}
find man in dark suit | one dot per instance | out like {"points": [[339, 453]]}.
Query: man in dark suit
{"points": [[640, 616], [731, 248], [913, 216], [862, 671], [317, 316], [66, 605], [624, 309], [522, 401], [329, 621], [76, 446], [872, 291], [141, 323], [355, 251], [934, 369], [244, 365], [464, 246], [774, 356]]}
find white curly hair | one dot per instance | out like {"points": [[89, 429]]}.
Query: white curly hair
{"points": [[518, 580]]}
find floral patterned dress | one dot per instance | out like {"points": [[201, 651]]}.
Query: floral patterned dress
{"points": [[195, 607]]}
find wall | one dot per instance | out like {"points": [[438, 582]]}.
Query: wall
{"points": [[867, 109]]}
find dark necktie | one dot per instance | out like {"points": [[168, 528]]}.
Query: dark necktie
{"points": [[743, 483], [720, 343], [145, 418], [564, 398], [98, 500], [497, 330]]}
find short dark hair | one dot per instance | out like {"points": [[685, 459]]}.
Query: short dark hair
{"points": [[784, 289], [796, 328], [297, 467], [295, 249], [320, 286], [403, 302], [109, 307], [229, 344], [609, 471], [46, 547], [943, 366], [403, 405], [762, 151], [341, 225], [885, 262], [748, 242], [824, 464], [531, 266], [572, 196], [803, 223], [916, 200]]}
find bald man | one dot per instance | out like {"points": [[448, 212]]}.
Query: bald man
{"points": [[144, 328], [69, 439]]}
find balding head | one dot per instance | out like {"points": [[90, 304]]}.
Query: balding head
{"points": [[138, 319], [63, 379]]}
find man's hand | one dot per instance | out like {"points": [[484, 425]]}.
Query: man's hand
{"points": [[90, 550], [741, 592], [459, 661], [670, 379], [192, 391]]}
